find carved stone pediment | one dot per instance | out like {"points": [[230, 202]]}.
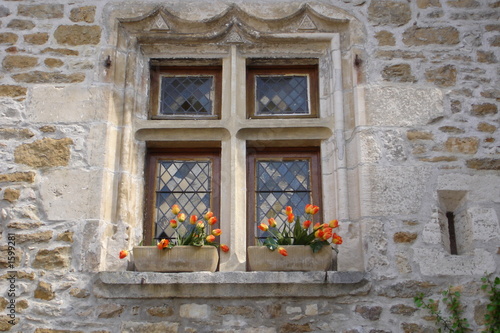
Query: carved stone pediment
{"points": [[232, 26]]}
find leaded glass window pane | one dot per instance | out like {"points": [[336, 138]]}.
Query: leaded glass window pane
{"points": [[185, 183], [280, 184], [187, 95], [281, 94]]}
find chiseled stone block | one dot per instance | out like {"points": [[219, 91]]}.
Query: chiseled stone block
{"points": [[402, 106]]}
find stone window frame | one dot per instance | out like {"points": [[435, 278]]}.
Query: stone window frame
{"points": [[160, 33]]}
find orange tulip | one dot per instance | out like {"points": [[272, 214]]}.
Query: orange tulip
{"points": [[319, 233], [290, 218], [208, 215], [272, 222], [327, 233], [173, 223], [163, 244], [282, 251], [193, 219], [263, 227], [306, 224], [334, 224], [181, 217], [216, 232], [200, 225], [176, 209], [317, 226], [212, 220], [224, 248], [314, 210], [288, 210], [336, 239], [308, 209], [123, 254], [210, 238]]}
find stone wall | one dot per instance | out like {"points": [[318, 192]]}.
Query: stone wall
{"points": [[421, 100]]}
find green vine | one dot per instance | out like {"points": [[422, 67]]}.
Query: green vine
{"points": [[492, 316], [455, 323]]}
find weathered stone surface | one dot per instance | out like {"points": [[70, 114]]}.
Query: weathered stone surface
{"points": [[79, 293], [161, 311], [437, 159], [463, 3], [451, 129], [54, 259], [484, 109], [398, 106], [428, 3], [4, 11], [24, 225], [78, 34], [49, 330], [48, 129], [405, 289], [37, 237], [5, 254], [21, 24], [486, 57], [485, 127], [12, 91], [63, 52], [109, 310], [18, 61], [416, 36], [403, 309], [79, 104], [5, 322], [385, 38], [28, 177], [144, 327], [53, 63], [66, 236], [8, 38], [83, 14], [44, 291], [194, 311], [484, 164], [15, 133], [44, 11], [468, 145], [445, 76], [405, 237], [39, 38], [47, 152], [386, 12], [63, 200], [19, 275], [394, 190], [398, 73], [436, 262], [11, 194], [295, 328], [419, 135], [48, 77], [369, 312]]}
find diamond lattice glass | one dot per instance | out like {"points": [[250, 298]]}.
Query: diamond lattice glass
{"points": [[185, 183], [280, 184], [187, 95], [281, 94]]}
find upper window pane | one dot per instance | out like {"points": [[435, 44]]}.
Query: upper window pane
{"points": [[187, 95], [185, 92], [282, 94], [282, 91]]}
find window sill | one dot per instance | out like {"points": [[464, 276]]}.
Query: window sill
{"points": [[230, 284]]}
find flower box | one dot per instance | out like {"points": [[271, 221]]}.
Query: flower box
{"points": [[300, 258], [176, 259]]}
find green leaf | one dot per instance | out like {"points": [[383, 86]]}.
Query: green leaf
{"points": [[271, 243]]}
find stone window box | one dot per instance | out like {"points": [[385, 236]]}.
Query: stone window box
{"points": [[142, 285]]}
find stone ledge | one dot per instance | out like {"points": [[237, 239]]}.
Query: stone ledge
{"points": [[230, 284]]}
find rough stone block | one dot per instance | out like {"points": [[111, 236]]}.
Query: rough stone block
{"points": [[41, 11], [70, 194], [144, 327], [393, 190], [68, 104], [194, 311], [12, 91], [78, 34], [416, 36], [44, 291], [54, 259], [398, 106], [436, 262], [48, 77], [392, 13], [47, 152]]}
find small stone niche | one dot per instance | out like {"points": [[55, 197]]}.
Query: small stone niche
{"points": [[455, 225]]}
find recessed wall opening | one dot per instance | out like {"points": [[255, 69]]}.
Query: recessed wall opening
{"points": [[456, 230]]}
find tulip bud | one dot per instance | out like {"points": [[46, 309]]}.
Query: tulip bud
{"points": [[282, 251], [216, 232], [175, 209], [210, 238], [123, 254], [224, 248], [193, 219], [263, 227], [272, 222], [181, 217]]}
